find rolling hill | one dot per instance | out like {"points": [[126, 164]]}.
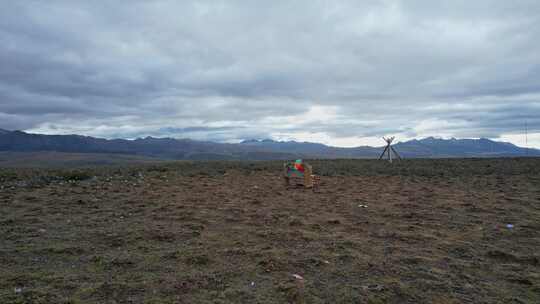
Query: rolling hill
{"points": [[424, 148], [170, 148]]}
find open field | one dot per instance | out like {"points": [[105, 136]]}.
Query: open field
{"points": [[48, 159], [433, 231]]}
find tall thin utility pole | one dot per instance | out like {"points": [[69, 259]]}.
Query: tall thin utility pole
{"points": [[526, 140]]}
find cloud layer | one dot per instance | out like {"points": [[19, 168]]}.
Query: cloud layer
{"points": [[340, 73]]}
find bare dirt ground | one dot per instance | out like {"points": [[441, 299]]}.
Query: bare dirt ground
{"points": [[425, 231]]}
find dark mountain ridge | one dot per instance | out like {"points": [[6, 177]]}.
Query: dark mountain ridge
{"points": [[252, 149], [429, 147], [167, 148]]}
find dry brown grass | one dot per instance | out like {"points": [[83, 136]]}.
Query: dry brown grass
{"points": [[433, 232]]}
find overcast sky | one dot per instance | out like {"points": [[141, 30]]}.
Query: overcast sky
{"points": [[338, 72]]}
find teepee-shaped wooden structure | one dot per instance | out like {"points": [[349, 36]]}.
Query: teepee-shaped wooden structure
{"points": [[389, 150]]}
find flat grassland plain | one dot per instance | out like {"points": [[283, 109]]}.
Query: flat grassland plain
{"points": [[418, 231]]}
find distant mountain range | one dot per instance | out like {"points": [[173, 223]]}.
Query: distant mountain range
{"points": [[169, 148], [429, 147]]}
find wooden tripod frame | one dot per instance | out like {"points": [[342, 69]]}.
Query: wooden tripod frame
{"points": [[389, 149]]}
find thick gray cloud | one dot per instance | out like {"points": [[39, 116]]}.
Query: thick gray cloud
{"points": [[343, 72]]}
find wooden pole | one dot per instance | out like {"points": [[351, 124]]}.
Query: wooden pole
{"points": [[389, 153], [385, 148], [395, 152]]}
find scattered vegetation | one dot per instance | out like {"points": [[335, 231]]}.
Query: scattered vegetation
{"points": [[418, 231]]}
